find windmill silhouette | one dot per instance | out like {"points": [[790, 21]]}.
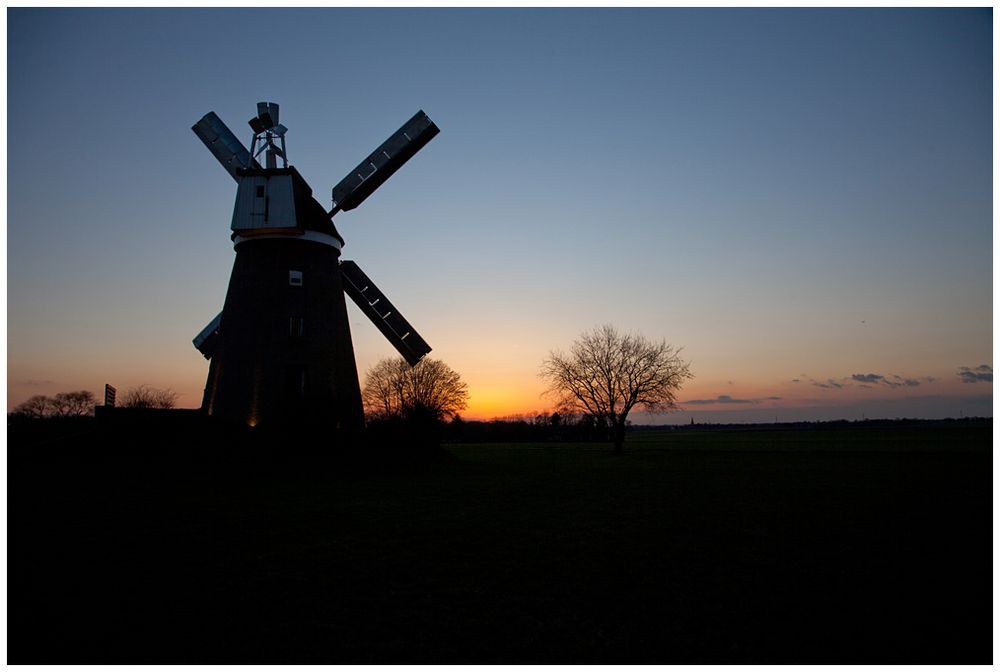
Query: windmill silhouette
{"points": [[281, 350]]}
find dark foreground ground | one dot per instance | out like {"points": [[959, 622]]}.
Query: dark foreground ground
{"points": [[802, 546]]}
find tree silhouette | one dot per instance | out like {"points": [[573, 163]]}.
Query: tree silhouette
{"points": [[69, 404], [62, 405], [394, 389], [606, 374], [145, 396], [38, 406]]}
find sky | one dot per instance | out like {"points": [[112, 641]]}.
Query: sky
{"points": [[801, 199]]}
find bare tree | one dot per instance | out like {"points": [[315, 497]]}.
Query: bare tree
{"points": [[607, 374], [37, 406], [393, 388], [68, 404], [145, 396], [62, 405]]}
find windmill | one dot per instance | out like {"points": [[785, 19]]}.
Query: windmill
{"points": [[281, 350]]}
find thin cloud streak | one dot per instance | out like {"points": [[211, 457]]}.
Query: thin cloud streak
{"points": [[33, 383], [866, 381], [893, 380], [981, 374], [868, 378], [726, 399]]}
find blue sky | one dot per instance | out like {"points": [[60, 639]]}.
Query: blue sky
{"points": [[788, 194]]}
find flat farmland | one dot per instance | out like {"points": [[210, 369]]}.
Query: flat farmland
{"points": [[822, 545]]}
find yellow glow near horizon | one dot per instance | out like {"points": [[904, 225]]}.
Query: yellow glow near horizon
{"points": [[502, 398]]}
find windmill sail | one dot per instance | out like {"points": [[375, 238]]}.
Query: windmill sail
{"points": [[383, 162], [225, 146], [208, 338], [383, 314]]}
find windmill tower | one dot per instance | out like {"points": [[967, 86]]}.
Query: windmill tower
{"points": [[280, 350]]}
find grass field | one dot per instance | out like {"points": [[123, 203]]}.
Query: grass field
{"points": [[869, 545]]}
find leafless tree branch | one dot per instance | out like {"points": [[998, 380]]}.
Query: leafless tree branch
{"points": [[392, 388], [145, 396], [608, 373]]}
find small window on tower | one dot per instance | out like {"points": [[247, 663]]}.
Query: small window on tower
{"points": [[260, 191], [296, 326], [295, 278]]}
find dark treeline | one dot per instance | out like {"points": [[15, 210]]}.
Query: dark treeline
{"points": [[556, 428], [540, 428], [413, 434], [817, 424]]}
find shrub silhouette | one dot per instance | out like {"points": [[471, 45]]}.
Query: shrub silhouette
{"points": [[145, 396]]}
